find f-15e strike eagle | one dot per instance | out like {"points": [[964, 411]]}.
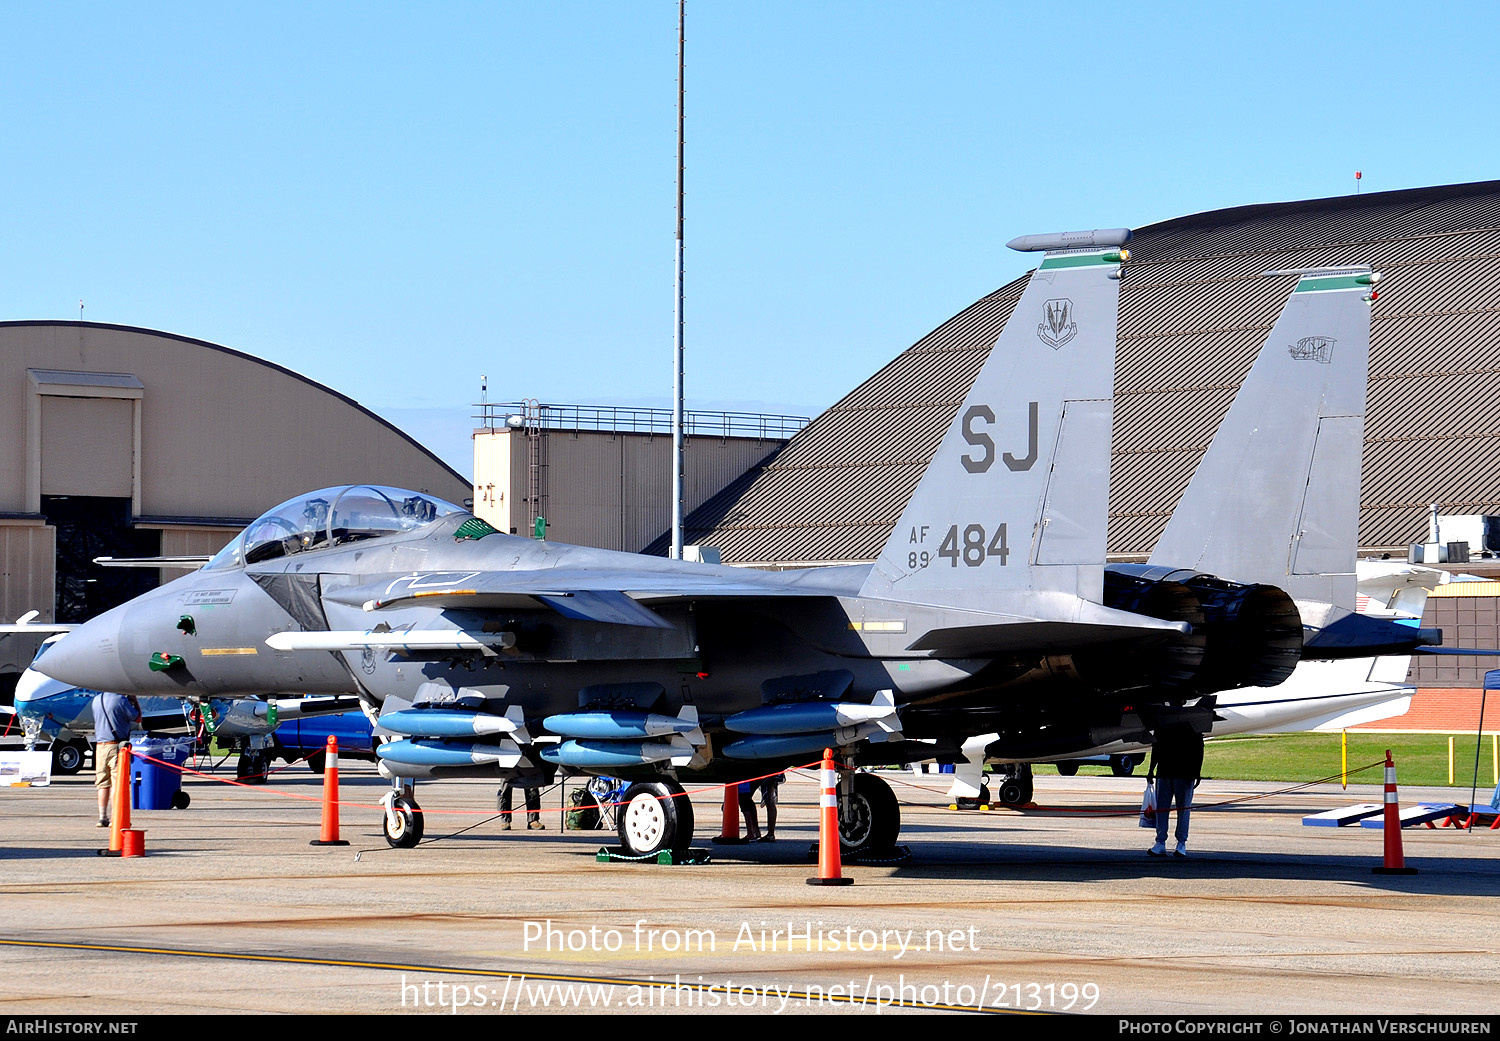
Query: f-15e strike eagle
{"points": [[488, 654]]}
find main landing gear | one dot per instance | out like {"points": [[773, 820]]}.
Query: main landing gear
{"points": [[655, 816], [1015, 784], [869, 816], [254, 766]]}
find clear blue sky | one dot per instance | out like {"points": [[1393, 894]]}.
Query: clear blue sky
{"points": [[394, 199]]}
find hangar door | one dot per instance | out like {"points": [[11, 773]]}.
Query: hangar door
{"points": [[85, 472]]}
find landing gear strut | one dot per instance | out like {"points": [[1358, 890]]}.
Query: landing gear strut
{"points": [[403, 818]]}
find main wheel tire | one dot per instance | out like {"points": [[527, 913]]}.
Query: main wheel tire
{"points": [[316, 760], [67, 758], [407, 831], [253, 767], [870, 818], [1016, 791], [655, 816], [1067, 769], [1122, 765]]}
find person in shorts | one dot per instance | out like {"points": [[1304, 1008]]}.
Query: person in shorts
{"points": [[769, 789], [115, 715]]}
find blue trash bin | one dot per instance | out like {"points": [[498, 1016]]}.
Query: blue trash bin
{"points": [[152, 785]]}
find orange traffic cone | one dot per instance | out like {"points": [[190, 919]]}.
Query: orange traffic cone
{"points": [[1395, 861], [729, 831], [830, 863], [120, 802], [329, 835]]}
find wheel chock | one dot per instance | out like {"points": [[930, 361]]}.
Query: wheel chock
{"points": [[665, 857]]}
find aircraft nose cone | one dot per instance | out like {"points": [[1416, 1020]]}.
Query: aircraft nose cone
{"points": [[33, 686], [89, 656]]}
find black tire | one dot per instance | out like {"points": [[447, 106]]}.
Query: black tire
{"points": [[67, 758], [253, 767], [983, 799], [870, 819], [1067, 769], [316, 760], [408, 830], [1016, 791], [1122, 765], [180, 799], [655, 816]]}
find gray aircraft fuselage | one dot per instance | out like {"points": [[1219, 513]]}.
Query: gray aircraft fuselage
{"points": [[716, 654]]}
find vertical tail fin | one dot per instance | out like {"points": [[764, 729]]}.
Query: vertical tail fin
{"points": [[1016, 497], [1275, 498]]}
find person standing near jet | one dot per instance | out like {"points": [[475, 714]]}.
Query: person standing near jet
{"points": [[114, 716], [533, 807], [770, 789], [1177, 763]]}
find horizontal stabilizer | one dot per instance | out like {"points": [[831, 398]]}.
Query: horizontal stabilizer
{"points": [[1033, 637], [1365, 636], [1477, 652]]}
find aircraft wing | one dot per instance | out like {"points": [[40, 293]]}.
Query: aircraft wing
{"points": [[591, 594], [27, 624], [185, 562]]}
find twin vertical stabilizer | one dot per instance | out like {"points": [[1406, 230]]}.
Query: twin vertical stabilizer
{"points": [[1275, 498]]}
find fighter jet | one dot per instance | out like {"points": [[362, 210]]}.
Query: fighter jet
{"points": [[496, 655]]}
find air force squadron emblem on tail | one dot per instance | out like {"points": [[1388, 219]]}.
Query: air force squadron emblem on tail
{"points": [[1313, 348], [1058, 327]]}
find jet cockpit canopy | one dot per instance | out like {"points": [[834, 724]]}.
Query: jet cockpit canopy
{"points": [[332, 517]]}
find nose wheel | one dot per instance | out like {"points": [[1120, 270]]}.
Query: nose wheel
{"points": [[403, 821]]}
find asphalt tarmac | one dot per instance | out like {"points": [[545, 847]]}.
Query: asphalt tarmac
{"points": [[1055, 908]]}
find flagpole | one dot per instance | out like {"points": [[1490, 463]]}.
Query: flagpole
{"points": [[678, 464]]}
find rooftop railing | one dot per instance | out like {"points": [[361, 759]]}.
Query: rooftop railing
{"points": [[619, 419]]}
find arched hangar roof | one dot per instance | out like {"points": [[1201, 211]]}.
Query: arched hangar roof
{"points": [[223, 435], [1194, 310]]}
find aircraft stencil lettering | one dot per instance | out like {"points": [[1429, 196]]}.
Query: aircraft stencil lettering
{"points": [[978, 439], [1027, 461]]}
